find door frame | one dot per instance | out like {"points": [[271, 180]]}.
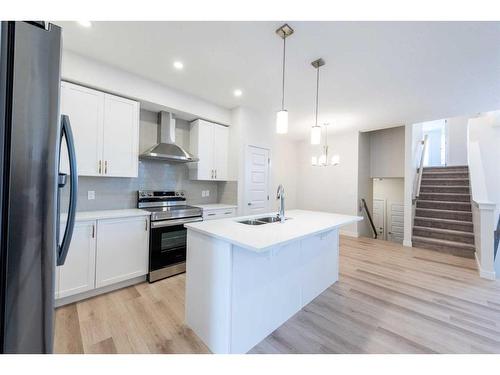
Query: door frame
{"points": [[247, 176]]}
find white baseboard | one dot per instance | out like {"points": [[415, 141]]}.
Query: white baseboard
{"points": [[407, 243], [490, 275], [348, 233], [95, 292]]}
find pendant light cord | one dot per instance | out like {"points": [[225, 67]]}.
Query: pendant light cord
{"points": [[283, 81], [317, 93]]}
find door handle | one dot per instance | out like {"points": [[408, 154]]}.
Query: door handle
{"points": [[62, 250]]}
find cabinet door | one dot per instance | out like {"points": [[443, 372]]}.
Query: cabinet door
{"points": [[121, 137], [202, 146], [122, 249], [77, 275], [221, 144], [85, 110]]}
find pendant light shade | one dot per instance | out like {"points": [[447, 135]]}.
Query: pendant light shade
{"points": [[282, 116], [316, 129], [282, 122], [316, 135]]}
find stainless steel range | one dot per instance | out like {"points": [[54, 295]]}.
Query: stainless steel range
{"points": [[167, 242]]}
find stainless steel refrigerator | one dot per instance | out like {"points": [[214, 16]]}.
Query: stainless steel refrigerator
{"points": [[32, 132]]}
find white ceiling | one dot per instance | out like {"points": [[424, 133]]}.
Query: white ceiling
{"points": [[377, 74]]}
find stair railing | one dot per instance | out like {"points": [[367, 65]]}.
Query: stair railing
{"points": [[365, 206], [496, 239], [420, 170]]}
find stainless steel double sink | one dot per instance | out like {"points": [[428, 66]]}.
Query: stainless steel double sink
{"points": [[262, 220]]}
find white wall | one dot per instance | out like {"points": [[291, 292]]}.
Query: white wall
{"points": [[365, 185], [456, 140], [484, 167], [88, 72], [254, 128], [413, 137], [387, 150], [333, 188]]}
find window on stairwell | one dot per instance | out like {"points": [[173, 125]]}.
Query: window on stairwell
{"points": [[435, 154]]}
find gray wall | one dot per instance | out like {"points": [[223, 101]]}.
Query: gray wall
{"points": [[387, 152], [119, 193]]}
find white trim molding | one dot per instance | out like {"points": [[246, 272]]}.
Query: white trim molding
{"points": [[483, 216]]}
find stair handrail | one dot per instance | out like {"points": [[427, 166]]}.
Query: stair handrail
{"points": [[365, 206], [496, 237], [420, 170]]}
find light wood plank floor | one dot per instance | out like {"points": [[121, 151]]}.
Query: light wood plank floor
{"points": [[389, 299]]}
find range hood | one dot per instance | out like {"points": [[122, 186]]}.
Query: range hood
{"points": [[166, 149]]}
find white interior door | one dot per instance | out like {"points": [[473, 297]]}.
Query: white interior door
{"points": [[379, 217], [256, 180], [121, 134], [395, 222]]}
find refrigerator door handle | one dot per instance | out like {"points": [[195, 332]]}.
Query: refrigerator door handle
{"points": [[70, 223]]}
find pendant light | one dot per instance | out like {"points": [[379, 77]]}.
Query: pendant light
{"points": [[282, 116], [316, 129], [324, 159]]}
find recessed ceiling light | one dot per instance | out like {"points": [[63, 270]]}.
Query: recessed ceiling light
{"points": [[237, 92], [178, 65], [85, 23]]}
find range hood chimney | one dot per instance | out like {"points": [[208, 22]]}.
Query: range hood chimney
{"points": [[166, 149]]}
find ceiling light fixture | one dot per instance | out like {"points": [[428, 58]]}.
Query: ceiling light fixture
{"points": [[85, 23], [316, 129], [282, 116], [237, 92], [178, 65], [323, 160]]}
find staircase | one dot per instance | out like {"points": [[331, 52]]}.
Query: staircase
{"points": [[443, 214]]}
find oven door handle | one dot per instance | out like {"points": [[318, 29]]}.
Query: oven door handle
{"points": [[169, 223]]}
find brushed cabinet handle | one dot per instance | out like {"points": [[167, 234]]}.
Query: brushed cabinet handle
{"points": [[100, 168], [146, 227], [105, 167], [93, 230], [216, 173]]}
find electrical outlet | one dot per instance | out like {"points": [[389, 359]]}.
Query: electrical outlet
{"points": [[203, 194], [90, 194], [207, 193]]}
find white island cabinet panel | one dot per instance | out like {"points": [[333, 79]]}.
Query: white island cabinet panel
{"points": [[319, 259], [265, 293], [77, 275], [122, 250], [244, 281], [210, 315]]}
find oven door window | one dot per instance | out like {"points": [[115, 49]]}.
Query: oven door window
{"points": [[168, 246]]}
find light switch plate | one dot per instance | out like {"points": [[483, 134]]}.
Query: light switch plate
{"points": [[90, 194], [207, 193], [203, 194]]}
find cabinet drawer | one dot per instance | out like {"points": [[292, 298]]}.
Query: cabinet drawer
{"points": [[218, 213]]}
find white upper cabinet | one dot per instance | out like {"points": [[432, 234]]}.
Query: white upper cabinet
{"points": [[209, 142], [106, 132], [85, 108], [121, 136]]}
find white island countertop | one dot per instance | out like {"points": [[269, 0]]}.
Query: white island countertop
{"points": [[215, 206], [260, 238]]}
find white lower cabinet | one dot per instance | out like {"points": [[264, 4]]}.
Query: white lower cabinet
{"points": [[104, 252], [78, 273], [218, 213], [122, 250]]}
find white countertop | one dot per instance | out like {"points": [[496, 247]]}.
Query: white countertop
{"points": [[215, 206], [109, 214], [262, 237]]}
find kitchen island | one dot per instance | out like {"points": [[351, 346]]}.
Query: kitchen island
{"points": [[244, 280]]}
